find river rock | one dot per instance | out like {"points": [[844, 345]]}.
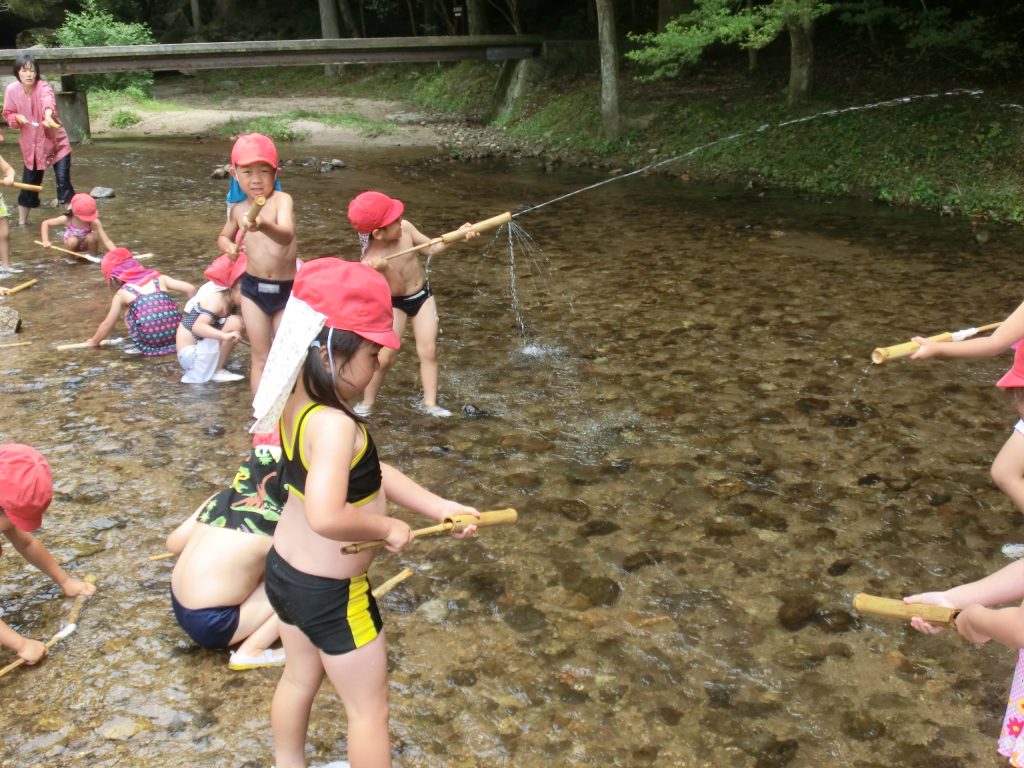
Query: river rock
{"points": [[435, 611], [102, 193], [121, 728], [10, 321], [576, 510], [221, 172], [525, 618], [797, 611], [862, 726], [598, 528], [776, 754], [834, 621], [599, 590]]}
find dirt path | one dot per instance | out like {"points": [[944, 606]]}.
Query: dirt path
{"points": [[193, 114]]}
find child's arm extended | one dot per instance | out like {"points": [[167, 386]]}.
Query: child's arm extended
{"points": [[226, 238], [204, 328], [331, 435], [108, 323], [1004, 625], [33, 550], [1010, 331], [1004, 586], [108, 244], [282, 229], [419, 238], [406, 492], [28, 649], [170, 284], [178, 538], [44, 229], [8, 172]]}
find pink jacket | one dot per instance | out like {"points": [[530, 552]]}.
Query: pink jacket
{"points": [[40, 147]]}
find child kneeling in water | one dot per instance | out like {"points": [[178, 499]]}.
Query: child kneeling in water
{"points": [[217, 585], [151, 315], [334, 325], [210, 327]]}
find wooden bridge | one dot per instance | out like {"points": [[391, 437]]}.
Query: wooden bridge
{"points": [[68, 62]]}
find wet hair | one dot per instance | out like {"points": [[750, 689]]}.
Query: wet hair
{"points": [[24, 60], [317, 378]]}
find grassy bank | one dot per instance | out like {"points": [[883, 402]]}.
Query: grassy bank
{"points": [[958, 154]]}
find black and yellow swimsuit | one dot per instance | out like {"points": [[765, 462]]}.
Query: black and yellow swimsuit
{"points": [[364, 476]]}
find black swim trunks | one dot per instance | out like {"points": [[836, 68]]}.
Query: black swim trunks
{"points": [[269, 295], [411, 304]]}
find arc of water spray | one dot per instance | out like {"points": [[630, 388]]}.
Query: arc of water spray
{"points": [[761, 129]]}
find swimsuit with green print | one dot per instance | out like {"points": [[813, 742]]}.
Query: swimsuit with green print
{"points": [[253, 502]]}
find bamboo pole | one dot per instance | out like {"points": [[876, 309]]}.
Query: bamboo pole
{"points": [[69, 626], [19, 287], [85, 345], [27, 187], [86, 256], [382, 589], [255, 208], [15, 344], [453, 524], [897, 609], [881, 354], [458, 234], [161, 556]]}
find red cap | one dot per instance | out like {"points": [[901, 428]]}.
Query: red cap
{"points": [[373, 210], [84, 207], [224, 271], [112, 260], [1015, 376], [26, 485], [252, 148], [355, 297]]}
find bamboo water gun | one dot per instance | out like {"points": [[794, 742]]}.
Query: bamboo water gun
{"points": [[897, 609], [881, 354], [19, 287], [458, 234], [27, 187], [453, 524], [87, 256]]}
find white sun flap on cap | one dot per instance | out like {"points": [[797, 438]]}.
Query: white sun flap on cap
{"points": [[299, 326]]}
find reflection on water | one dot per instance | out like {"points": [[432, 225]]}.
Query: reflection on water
{"points": [[675, 392]]}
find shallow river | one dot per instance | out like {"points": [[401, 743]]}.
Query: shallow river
{"points": [[672, 385]]}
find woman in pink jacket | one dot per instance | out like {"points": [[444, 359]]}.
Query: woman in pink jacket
{"points": [[30, 106]]}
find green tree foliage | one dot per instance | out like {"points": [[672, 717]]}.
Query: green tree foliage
{"points": [[96, 27], [731, 22]]}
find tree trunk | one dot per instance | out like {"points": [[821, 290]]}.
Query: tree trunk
{"points": [[412, 17], [476, 12], [801, 58], [670, 9], [329, 30], [609, 68], [348, 19], [197, 21]]}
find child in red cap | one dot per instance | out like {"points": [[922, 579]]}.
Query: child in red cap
{"points": [[209, 327], [83, 230], [1008, 467], [26, 489], [5, 230], [269, 243], [383, 232], [150, 313], [337, 321]]}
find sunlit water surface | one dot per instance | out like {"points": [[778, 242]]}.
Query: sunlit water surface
{"points": [[670, 382]]}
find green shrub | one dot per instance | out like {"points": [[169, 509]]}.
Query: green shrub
{"points": [[96, 27], [124, 118]]}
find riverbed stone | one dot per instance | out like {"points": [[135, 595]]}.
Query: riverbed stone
{"points": [[797, 611], [121, 728], [776, 754], [525, 618], [598, 528], [435, 611], [10, 321], [102, 193], [576, 510]]}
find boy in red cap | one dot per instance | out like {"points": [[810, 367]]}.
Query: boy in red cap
{"points": [[83, 230], [26, 489], [383, 232], [269, 243]]}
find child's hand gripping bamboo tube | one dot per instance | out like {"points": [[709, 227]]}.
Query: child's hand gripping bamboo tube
{"points": [[453, 524], [458, 234], [254, 209], [881, 354], [897, 609]]}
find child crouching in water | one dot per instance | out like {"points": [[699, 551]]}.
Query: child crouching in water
{"points": [[325, 352], [979, 623], [83, 231], [1008, 467], [209, 327], [150, 313], [26, 489]]}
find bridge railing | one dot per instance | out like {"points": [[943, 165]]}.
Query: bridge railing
{"points": [[261, 53]]}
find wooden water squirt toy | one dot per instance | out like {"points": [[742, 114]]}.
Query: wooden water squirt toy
{"points": [[881, 354], [458, 234], [453, 524], [69, 626], [897, 609]]}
